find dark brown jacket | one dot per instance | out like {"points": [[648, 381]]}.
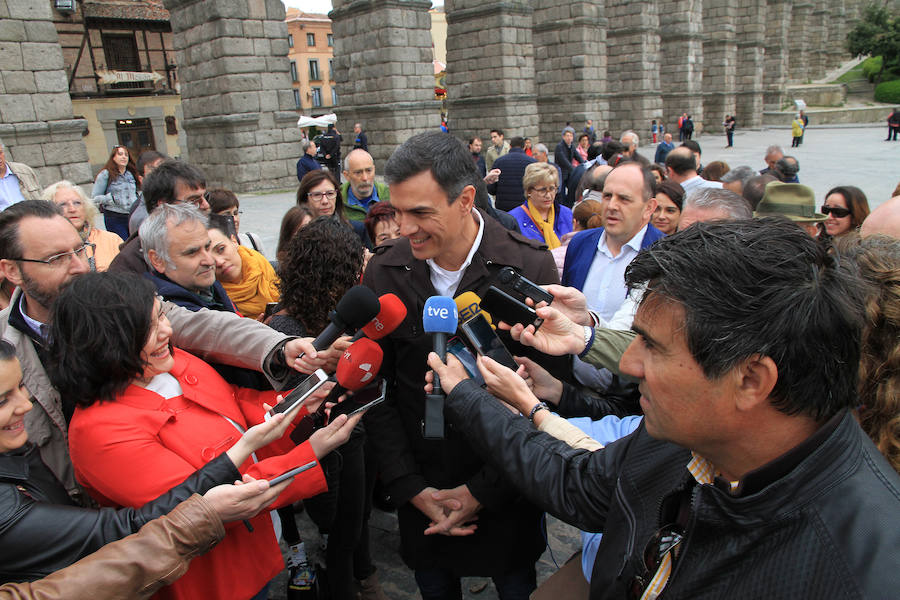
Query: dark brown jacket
{"points": [[509, 532]]}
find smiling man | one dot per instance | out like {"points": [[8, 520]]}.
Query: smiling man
{"points": [[441, 486], [176, 245], [750, 476]]}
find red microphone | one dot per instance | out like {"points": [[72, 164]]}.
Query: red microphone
{"points": [[356, 368], [388, 319]]}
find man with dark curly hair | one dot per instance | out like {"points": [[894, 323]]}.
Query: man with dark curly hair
{"points": [[440, 487]]}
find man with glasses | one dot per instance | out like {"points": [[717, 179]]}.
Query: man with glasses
{"points": [[41, 251], [508, 189], [749, 476], [172, 182]]}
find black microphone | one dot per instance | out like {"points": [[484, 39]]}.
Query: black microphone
{"points": [[356, 308]]}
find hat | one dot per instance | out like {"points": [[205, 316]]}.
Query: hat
{"points": [[795, 201]]}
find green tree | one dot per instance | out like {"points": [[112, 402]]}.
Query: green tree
{"points": [[877, 34]]}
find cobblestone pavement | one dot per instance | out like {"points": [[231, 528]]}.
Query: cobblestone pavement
{"points": [[830, 156]]}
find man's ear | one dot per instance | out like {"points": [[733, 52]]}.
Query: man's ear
{"points": [[11, 271], [756, 378], [156, 261], [466, 199]]}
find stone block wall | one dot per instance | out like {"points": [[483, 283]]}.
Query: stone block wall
{"points": [[799, 40], [818, 39], [720, 61], [681, 60], [751, 52], [383, 70], [776, 73], [836, 31], [238, 107], [569, 61], [491, 68], [36, 122], [634, 65]]}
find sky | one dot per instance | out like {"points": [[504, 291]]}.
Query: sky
{"points": [[323, 6]]}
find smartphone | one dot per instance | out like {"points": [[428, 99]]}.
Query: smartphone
{"points": [[291, 473], [270, 309], [524, 286], [294, 399], [485, 341], [503, 307], [457, 348], [361, 400]]}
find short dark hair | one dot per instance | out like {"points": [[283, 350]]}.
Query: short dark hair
{"points": [[497, 131], [380, 211], [314, 178], [321, 263], [95, 354], [444, 156], [147, 157], [517, 141], [786, 168], [762, 287], [10, 244], [673, 191], [691, 145], [755, 189], [611, 148], [7, 351], [290, 223], [681, 162], [594, 150], [159, 186], [221, 199]]}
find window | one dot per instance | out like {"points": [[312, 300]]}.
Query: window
{"points": [[290, 40], [330, 38], [121, 54], [316, 97], [334, 101], [296, 98], [310, 39], [314, 69], [294, 71], [331, 69]]}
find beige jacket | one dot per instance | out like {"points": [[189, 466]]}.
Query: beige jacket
{"points": [[28, 181], [134, 567], [213, 335]]}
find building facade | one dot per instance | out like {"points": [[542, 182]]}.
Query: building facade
{"points": [[311, 53]]}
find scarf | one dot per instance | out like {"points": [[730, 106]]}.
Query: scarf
{"points": [[257, 287], [546, 227]]}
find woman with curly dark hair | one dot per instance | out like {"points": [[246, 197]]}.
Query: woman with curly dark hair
{"points": [[322, 261]]}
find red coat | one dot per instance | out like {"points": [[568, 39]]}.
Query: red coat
{"points": [[129, 451]]}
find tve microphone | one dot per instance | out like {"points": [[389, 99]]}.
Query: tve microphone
{"points": [[386, 321], [439, 319], [356, 368], [356, 308], [468, 305]]}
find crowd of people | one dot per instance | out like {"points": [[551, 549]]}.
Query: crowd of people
{"points": [[710, 395]]}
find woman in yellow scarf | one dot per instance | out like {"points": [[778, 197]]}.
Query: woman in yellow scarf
{"points": [[541, 217], [245, 274]]}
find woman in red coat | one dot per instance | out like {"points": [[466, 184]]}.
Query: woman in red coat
{"points": [[149, 414]]}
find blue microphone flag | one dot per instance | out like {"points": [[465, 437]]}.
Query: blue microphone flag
{"points": [[440, 315]]}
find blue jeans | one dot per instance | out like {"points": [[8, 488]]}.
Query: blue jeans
{"points": [[116, 223], [441, 584]]}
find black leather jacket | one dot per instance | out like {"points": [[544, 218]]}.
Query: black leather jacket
{"points": [[41, 531], [822, 523]]}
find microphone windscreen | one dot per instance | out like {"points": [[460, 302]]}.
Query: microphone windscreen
{"points": [[468, 305], [440, 315], [357, 307], [388, 319], [359, 364]]}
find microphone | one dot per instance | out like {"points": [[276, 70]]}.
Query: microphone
{"points": [[356, 308], [468, 305], [439, 318], [386, 321], [524, 286], [356, 368]]}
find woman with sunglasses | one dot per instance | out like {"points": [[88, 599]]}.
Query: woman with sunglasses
{"points": [[846, 207]]}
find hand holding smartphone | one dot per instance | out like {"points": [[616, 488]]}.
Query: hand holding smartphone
{"points": [[295, 398]]}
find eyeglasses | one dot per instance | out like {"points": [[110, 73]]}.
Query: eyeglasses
{"points": [[316, 196], [664, 541], [544, 191], [72, 203], [197, 199], [84, 252], [836, 211], [231, 213]]}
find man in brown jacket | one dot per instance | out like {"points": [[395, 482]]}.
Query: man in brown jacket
{"points": [[441, 486]]}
